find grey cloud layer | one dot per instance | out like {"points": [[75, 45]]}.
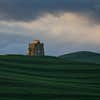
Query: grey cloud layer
{"points": [[13, 43], [27, 10]]}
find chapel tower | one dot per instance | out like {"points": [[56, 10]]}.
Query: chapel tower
{"points": [[36, 48]]}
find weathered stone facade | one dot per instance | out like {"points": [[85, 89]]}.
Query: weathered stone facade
{"points": [[36, 48]]}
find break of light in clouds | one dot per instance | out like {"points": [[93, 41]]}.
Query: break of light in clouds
{"points": [[64, 33], [63, 25]]}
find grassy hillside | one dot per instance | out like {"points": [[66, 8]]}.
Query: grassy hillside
{"points": [[83, 56], [48, 78]]}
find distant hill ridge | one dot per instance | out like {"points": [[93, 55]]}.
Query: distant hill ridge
{"points": [[83, 56]]}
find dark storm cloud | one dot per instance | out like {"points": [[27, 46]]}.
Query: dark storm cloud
{"points": [[27, 10]]}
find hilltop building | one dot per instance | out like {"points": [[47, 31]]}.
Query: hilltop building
{"points": [[36, 48]]}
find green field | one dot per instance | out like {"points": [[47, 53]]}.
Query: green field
{"points": [[48, 78]]}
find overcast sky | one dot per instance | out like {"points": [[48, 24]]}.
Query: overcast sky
{"points": [[63, 25]]}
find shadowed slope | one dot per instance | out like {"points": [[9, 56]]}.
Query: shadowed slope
{"points": [[83, 56]]}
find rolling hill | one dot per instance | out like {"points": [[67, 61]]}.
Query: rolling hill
{"points": [[83, 56], [48, 78]]}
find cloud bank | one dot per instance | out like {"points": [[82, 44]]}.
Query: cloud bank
{"points": [[63, 25], [65, 33]]}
